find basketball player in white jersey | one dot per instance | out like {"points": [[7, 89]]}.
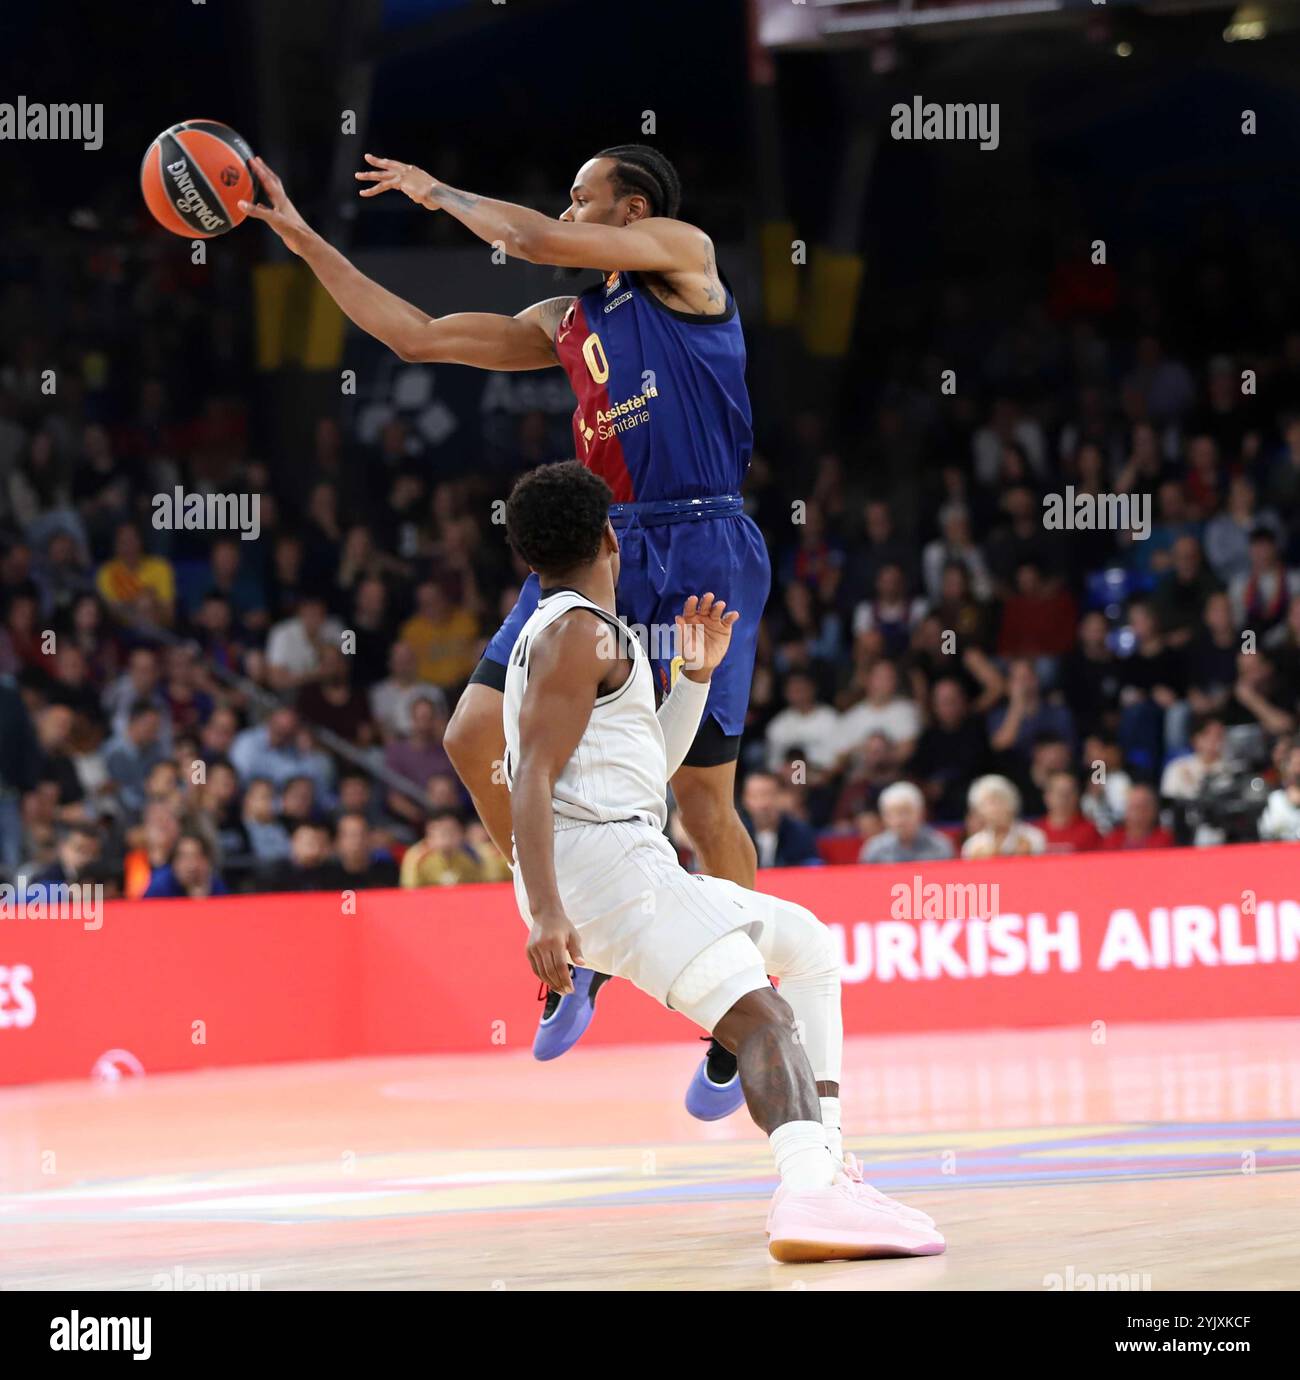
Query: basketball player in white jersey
{"points": [[587, 762]]}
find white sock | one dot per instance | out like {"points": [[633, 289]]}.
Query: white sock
{"points": [[801, 1158], [831, 1125]]}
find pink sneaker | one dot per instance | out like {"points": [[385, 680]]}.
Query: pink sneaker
{"points": [[853, 1168], [842, 1222]]}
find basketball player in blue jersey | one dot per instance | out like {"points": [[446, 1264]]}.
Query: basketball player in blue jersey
{"points": [[656, 356]]}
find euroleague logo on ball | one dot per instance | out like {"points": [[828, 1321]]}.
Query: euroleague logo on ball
{"points": [[229, 175]]}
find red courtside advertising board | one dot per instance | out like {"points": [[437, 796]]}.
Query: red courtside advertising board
{"points": [[1169, 935]]}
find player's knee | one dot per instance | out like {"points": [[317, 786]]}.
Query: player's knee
{"points": [[763, 1012], [709, 985], [815, 951]]}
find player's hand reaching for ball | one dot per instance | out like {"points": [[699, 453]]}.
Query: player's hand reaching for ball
{"points": [[552, 945], [704, 634], [388, 175], [281, 215]]}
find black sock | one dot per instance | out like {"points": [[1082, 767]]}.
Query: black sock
{"points": [[720, 1063]]}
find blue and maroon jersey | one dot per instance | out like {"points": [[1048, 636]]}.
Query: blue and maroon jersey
{"points": [[663, 411]]}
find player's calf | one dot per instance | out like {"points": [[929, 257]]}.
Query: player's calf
{"points": [[774, 1071]]}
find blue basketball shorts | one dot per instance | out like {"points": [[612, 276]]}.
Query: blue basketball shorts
{"points": [[669, 551]]}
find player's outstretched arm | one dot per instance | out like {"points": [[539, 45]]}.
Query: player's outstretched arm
{"points": [[482, 339], [566, 666], [656, 245], [488, 341]]}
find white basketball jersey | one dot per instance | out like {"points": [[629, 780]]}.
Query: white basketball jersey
{"points": [[620, 768]]}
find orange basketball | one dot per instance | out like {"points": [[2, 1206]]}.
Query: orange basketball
{"points": [[193, 177]]}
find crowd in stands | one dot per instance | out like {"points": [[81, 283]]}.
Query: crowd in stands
{"points": [[935, 693], [941, 672]]}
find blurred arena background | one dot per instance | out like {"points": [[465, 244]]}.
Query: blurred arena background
{"points": [[1102, 301]]}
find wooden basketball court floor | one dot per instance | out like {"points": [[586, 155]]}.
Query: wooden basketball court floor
{"points": [[1166, 1158]]}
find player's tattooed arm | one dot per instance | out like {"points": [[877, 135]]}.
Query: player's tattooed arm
{"points": [[697, 288], [525, 341], [497, 222], [482, 339], [654, 245], [546, 316], [488, 341], [568, 661], [446, 196], [714, 292]]}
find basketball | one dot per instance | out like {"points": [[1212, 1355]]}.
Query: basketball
{"points": [[194, 176]]}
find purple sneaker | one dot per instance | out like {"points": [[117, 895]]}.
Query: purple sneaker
{"points": [[715, 1090], [565, 1018]]}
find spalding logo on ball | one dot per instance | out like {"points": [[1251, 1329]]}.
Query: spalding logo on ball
{"points": [[194, 176]]}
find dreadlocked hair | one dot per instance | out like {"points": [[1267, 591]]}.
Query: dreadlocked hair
{"points": [[639, 168]]}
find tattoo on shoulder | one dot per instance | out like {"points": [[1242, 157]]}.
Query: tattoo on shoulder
{"points": [[713, 290], [551, 312]]}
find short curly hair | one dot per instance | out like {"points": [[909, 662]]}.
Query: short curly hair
{"points": [[556, 515]]}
